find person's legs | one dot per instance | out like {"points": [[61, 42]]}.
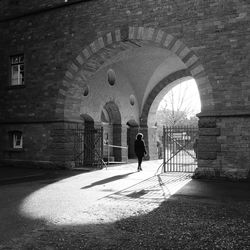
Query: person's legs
{"points": [[139, 162]]}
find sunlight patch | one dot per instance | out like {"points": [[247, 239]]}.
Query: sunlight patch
{"points": [[66, 203]]}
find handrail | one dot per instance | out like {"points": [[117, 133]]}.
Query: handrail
{"points": [[115, 146]]}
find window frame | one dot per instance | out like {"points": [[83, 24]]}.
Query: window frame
{"points": [[16, 139], [20, 64]]}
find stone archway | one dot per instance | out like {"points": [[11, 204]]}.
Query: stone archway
{"points": [[112, 130], [109, 50], [100, 52], [148, 115], [87, 120], [181, 74]]}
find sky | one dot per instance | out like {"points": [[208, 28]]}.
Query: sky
{"points": [[184, 96]]}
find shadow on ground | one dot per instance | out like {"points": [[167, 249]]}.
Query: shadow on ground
{"points": [[14, 190], [107, 180], [14, 175], [202, 215]]}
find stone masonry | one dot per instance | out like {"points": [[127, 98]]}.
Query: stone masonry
{"points": [[68, 46]]}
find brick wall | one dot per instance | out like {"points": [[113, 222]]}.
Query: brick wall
{"points": [[234, 139], [14, 8], [223, 148], [217, 31], [39, 144]]}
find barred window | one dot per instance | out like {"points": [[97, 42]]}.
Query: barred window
{"points": [[17, 70]]}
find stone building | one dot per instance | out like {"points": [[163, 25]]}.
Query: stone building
{"points": [[77, 64]]}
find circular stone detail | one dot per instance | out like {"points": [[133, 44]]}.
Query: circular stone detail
{"points": [[85, 90], [132, 100], [111, 77]]}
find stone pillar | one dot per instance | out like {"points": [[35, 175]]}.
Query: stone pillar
{"points": [[124, 143], [117, 140], [120, 139], [223, 147], [208, 149], [62, 145], [131, 136], [234, 141], [152, 143]]}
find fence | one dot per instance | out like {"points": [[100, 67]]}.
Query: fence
{"points": [[180, 149], [88, 147]]}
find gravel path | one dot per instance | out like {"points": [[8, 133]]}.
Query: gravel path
{"points": [[136, 222]]}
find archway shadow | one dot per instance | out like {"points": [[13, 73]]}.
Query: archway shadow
{"points": [[15, 190], [182, 214], [107, 180]]}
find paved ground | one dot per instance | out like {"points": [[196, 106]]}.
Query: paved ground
{"points": [[119, 208]]}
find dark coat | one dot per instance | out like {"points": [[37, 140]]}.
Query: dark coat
{"points": [[140, 149]]}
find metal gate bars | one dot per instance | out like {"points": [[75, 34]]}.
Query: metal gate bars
{"points": [[88, 147], [180, 149]]}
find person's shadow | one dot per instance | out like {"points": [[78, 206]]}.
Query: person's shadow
{"points": [[110, 179]]}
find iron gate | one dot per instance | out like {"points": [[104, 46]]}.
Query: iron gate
{"points": [[180, 149], [88, 147]]}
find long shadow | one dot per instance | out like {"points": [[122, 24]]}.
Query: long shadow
{"points": [[107, 180], [178, 223], [154, 188]]}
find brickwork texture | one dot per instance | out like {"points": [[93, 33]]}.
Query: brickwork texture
{"points": [[70, 45]]}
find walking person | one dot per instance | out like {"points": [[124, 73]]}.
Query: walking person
{"points": [[140, 149]]}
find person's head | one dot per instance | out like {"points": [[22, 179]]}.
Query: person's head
{"points": [[139, 136]]}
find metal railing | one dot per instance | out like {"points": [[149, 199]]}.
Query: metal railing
{"points": [[179, 149], [88, 148], [117, 156]]}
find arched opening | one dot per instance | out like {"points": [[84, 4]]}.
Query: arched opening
{"points": [[112, 130], [177, 111], [180, 96], [145, 61], [88, 121], [176, 97], [180, 105], [85, 142], [132, 130]]}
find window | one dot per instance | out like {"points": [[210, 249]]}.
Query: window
{"points": [[17, 70], [16, 139]]}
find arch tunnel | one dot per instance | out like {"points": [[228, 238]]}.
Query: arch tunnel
{"points": [[125, 79]]}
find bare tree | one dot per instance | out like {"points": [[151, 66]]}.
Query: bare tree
{"points": [[177, 107]]}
